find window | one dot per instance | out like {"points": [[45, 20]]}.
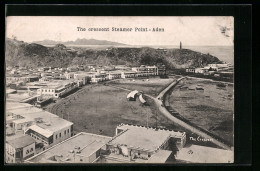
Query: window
{"points": [[68, 131], [60, 134], [31, 149], [56, 136], [65, 132], [27, 151]]}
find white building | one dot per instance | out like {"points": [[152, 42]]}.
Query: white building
{"points": [[44, 127], [81, 148], [114, 75], [19, 149], [57, 88]]}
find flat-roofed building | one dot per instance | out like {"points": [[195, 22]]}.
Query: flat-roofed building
{"points": [[19, 149], [138, 142], [190, 70], [200, 154], [69, 75], [83, 76], [128, 74], [98, 77], [44, 127], [57, 88], [201, 70], [81, 148], [114, 75], [144, 71]]}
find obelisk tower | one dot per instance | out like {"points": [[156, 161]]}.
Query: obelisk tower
{"points": [[180, 46]]}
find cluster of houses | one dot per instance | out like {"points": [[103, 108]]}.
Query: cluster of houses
{"points": [[216, 70], [34, 135], [56, 82], [37, 136], [30, 130]]}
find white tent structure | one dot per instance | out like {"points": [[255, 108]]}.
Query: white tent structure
{"points": [[132, 95], [142, 99]]}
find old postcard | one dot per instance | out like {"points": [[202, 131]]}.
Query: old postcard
{"points": [[119, 89]]}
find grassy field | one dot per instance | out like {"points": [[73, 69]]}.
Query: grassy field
{"points": [[99, 109], [211, 109], [151, 86]]}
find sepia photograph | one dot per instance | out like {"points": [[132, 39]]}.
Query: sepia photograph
{"points": [[119, 89]]}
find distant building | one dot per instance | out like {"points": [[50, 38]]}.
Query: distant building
{"points": [[114, 75], [144, 71], [19, 149], [128, 74], [161, 69], [83, 76], [98, 77], [190, 70], [57, 88], [201, 70]]}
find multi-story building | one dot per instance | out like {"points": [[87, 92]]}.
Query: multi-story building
{"points": [[46, 128], [114, 75], [98, 77], [57, 88], [69, 75], [19, 149], [81, 148], [128, 74], [131, 144], [161, 69], [201, 70], [144, 71], [142, 144], [83, 76], [190, 70]]}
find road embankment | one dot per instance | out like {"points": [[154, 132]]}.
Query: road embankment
{"points": [[161, 105]]}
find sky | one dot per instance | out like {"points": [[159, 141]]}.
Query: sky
{"points": [[191, 31]]}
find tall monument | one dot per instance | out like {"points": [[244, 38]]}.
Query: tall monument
{"points": [[180, 46]]}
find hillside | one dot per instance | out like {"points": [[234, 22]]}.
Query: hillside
{"points": [[34, 55]]}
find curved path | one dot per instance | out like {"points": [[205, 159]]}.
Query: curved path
{"points": [[159, 101]]}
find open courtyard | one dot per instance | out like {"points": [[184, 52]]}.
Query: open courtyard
{"points": [[99, 109]]}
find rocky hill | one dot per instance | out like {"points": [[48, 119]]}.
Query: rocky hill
{"points": [[34, 55]]}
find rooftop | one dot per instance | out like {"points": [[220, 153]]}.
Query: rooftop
{"points": [[202, 154], [87, 143], [21, 142], [160, 157], [50, 121], [147, 139]]}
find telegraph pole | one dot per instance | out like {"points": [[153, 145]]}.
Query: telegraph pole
{"points": [[156, 119]]}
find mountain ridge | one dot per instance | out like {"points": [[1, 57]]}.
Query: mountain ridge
{"points": [[36, 55], [78, 42]]}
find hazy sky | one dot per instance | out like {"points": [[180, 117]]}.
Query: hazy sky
{"points": [[188, 30]]}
